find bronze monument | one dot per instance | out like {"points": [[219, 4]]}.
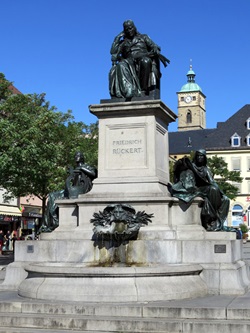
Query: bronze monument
{"points": [[194, 179], [136, 65]]}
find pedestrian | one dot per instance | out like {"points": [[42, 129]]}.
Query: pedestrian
{"points": [[14, 238], [1, 241], [7, 240]]}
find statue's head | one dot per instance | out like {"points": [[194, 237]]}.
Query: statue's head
{"points": [[129, 28], [79, 157], [200, 157]]}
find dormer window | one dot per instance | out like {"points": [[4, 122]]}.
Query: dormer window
{"points": [[248, 123], [248, 140], [235, 140]]}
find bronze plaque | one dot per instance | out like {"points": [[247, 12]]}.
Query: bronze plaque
{"points": [[220, 248]]}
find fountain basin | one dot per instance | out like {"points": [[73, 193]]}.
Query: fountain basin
{"points": [[79, 282]]}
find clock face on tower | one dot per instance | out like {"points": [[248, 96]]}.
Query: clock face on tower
{"points": [[188, 99]]}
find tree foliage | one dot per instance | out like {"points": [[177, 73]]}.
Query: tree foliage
{"points": [[224, 177], [171, 171], [38, 144], [5, 90]]}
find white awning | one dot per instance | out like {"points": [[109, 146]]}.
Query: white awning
{"points": [[10, 210]]}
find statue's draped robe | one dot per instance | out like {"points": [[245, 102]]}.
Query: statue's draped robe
{"points": [[78, 182], [198, 182], [135, 69]]}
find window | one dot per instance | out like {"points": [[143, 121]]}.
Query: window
{"points": [[236, 163], [248, 140], [238, 208], [238, 185], [248, 164], [248, 123], [237, 215], [235, 140], [189, 117], [182, 99], [194, 98]]}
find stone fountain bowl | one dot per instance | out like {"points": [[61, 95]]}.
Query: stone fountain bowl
{"points": [[117, 283]]}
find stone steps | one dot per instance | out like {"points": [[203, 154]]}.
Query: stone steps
{"points": [[246, 252], [89, 323], [34, 330], [61, 323], [203, 315]]}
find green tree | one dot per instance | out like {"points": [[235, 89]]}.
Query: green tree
{"points": [[5, 90], [38, 144], [171, 171], [224, 177]]}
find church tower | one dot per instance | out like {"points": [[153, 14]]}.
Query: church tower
{"points": [[191, 105]]}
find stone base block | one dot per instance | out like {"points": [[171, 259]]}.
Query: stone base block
{"points": [[226, 278], [141, 252], [211, 251], [15, 274]]}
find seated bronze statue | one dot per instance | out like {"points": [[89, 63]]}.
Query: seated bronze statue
{"points": [[136, 64], [78, 182], [80, 178], [194, 179]]}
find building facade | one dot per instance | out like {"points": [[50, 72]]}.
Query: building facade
{"points": [[229, 140], [31, 219], [10, 214]]}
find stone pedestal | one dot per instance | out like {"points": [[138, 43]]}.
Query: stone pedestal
{"points": [[133, 149], [173, 257]]}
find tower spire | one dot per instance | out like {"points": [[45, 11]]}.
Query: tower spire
{"points": [[191, 105], [190, 66], [191, 73]]}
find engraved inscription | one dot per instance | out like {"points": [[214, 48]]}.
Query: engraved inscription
{"points": [[126, 147]]}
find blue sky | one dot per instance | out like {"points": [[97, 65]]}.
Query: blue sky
{"points": [[61, 47]]}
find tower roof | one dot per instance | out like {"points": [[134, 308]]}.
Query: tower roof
{"points": [[190, 85]]}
